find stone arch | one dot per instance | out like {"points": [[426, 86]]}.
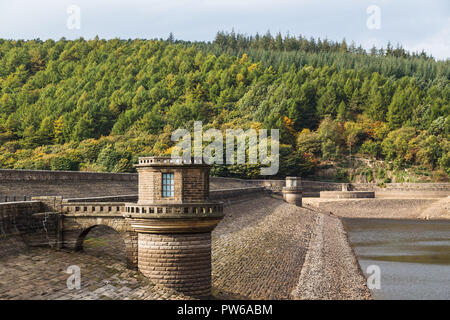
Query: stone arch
{"points": [[82, 236], [76, 229]]}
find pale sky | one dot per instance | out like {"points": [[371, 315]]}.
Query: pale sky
{"points": [[416, 24]]}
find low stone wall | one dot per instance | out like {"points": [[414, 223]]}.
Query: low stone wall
{"points": [[405, 190], [27, 222], [220, 194], [216, 183], [373, 208], [124, 186], [346, 194], [29, 183], [119, 198], [226, 194], [406, 186], [66, 189], [389, 190], [93, 208], [272, 185], [17, 184], [48, 175], [310, 188], [13, 216]]}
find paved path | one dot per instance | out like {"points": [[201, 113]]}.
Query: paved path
{"points": [[42, 274], [259, 249]]}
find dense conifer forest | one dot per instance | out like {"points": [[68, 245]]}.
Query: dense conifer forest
{"points": [[99, 104]]}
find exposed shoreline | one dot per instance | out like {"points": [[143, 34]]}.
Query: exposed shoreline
{"points": [[320, 265]]}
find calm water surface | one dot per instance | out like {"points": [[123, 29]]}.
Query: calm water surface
{"points": [[413, 256]]}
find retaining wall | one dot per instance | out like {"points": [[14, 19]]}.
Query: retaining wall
{"points": [[20, 183], [390, 190], [72, 184], [405, 190], [25, 224], [310, 188], [48, 175]]}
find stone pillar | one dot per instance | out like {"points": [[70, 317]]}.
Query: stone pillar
{"points": [[178, 261], [50, 203], [292, 192], [176, 252]]}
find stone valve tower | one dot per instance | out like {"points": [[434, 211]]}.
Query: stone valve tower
{"points": [[292, 192], [174, 219]]}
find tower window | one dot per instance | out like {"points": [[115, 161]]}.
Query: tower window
{"points": [[168, 185]]}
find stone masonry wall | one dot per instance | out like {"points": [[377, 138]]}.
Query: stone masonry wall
{"points": [[313, 188], [228, 194], [178, 261], [27, 222], [195, 185], [76, 227], [69, 184], [48, 175]]}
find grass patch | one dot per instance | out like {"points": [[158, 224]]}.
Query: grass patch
{"points": [[93, 242]]}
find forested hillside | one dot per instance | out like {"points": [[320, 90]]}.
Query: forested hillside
{"points": [[98, 105]]}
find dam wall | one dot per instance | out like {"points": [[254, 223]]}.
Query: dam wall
{"points": [[74, 184], [17, 184], [388, 190], [68, 184]]}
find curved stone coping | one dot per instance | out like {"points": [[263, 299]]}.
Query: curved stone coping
{"points": [[207, 208], [175, 224], [347, 194], [118, 198], [96, 208], [18, 202]]}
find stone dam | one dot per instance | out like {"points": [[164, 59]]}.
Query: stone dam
{"points": [[262, 248]]}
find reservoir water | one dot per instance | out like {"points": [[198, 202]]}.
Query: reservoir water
{"points": [[413, 256]]}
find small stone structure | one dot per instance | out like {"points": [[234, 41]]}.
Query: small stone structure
{"points": [[347, 193], [292, 192], [174, 219]]}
